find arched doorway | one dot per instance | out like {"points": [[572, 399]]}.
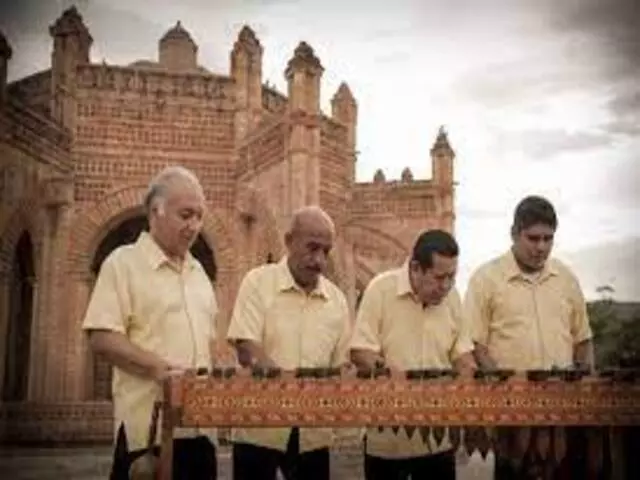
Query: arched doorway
{"points": [[127, 232], [18, 339]]}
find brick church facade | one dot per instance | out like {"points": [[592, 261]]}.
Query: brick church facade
{"points": [[80, 141]]}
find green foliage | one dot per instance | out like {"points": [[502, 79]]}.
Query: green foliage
{"points": [[617, 341]]}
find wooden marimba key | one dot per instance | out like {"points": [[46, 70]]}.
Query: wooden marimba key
{"points": [[553, 409]]}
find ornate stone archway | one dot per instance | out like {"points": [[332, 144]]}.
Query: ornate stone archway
{"points": [[25, 217], [23, 222], [91, 228], [96, 222]]}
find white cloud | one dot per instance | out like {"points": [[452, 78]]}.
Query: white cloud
{"points": [[538, 97]]}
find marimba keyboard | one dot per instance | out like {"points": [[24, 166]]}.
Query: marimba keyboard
{"points": [[322, 398], [605, 406]]}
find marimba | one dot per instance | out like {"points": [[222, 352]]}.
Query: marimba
{"points": [[550, 404]]}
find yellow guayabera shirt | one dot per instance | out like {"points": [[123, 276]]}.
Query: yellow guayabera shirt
{"points": [[296, 330], [393, 322], [527, 322], [171, 313]]}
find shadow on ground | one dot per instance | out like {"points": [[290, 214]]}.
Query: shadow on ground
{"points": [[93, 463]]}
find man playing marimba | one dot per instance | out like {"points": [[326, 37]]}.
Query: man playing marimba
{"points": [[410, 318], [527, 311], [288, 315], [152, 314]]}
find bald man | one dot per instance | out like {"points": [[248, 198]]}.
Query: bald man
{"points": [[288, 315], [151, 315]]}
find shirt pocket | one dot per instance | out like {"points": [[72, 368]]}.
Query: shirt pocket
{"points": [[321, 337], [558, 310], [201, 305]]}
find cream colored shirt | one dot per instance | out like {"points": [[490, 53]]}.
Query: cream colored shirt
{"points": [[393, 322], [169, 312], [527, 322], [296, 330]]}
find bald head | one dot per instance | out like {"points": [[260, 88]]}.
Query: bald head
{"points": [[311, 218], [309, 242]]}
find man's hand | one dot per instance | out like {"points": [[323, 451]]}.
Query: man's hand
{"points": [[367, 359], [482, 357], [223, 355], [164, 370], [118, 350], [465, 365], [250, 354]]}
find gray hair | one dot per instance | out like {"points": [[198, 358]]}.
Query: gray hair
{"points": [[159, 186]]}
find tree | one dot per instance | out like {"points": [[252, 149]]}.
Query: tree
{"points": [[617, 340]]}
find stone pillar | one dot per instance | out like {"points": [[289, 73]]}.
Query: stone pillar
{"points": [[344, 110], [71, 48], [4, 322], [442, 157], [5, 56], [303, 75], [246, 70], [350, 270], [78, 378], [49, 366]]}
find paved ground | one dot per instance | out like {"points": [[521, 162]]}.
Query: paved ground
{"points": [[92, 463]]}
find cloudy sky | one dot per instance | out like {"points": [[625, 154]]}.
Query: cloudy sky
{"points": [[538, 96]]}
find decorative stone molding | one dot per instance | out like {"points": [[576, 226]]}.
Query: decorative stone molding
{"points": [[57, 192]]}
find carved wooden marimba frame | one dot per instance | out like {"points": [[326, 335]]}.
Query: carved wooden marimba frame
{"points": [[570, 424]]}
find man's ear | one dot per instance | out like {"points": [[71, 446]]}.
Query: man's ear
{"points": [[414, 266], [514, 233]]}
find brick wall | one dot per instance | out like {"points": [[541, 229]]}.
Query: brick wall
{"points": [[34, 92], [86, 422], [130, 124], [335, 168], [122, 125]]}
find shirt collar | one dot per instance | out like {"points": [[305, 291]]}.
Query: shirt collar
{"points": [[512, 270], [402, 281], [155, 255], [286, 282]]}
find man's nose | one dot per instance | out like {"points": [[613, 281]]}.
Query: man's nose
{"points": [[320, 260], [194, 223], [542, 245]]}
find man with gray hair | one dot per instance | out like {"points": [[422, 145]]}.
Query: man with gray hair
{"points": [[152, 314]]}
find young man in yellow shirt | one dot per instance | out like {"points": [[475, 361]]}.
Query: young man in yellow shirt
{"points": [[526, 309]]}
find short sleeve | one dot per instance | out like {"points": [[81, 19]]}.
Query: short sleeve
{"points": [[463, 342], [475, 309], [110, 305], [247, 319], [366, 331], [341, 351], [579, 321]]}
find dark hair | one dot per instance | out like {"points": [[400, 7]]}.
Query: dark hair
{"points": [[430, 242], [534, 210]]}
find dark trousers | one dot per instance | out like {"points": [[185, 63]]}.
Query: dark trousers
{"points": [[441, 466], [193, 459], [251, 462]]}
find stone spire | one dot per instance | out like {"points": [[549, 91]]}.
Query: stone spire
{"points": [[442, 143], [246, 71], [303, 74], [71, 48], [71, 36], [177, 51]]}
